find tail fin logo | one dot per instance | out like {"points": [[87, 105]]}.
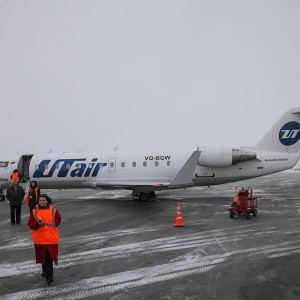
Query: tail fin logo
{"points": [[289, 134]]}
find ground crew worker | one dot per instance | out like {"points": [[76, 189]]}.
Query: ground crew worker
{"points": [[15, 195], [43, 221], [32, 195], [15, 176]]}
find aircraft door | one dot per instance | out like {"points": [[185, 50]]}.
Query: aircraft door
{"points": [[23, 165], [112, 164]]}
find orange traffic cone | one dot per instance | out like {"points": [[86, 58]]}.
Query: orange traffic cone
{"points": [[251, 192], [236, 199], [236, 196], [178, 221]]}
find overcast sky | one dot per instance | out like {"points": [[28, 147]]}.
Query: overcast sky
{"points": [[92, 75]]}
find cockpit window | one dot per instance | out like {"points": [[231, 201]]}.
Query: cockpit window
{"points": [[4, 164]]}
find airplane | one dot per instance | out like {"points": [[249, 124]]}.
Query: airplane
{"points": [[146, 172], [7, 166]]}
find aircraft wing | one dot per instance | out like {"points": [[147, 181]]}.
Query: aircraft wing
{"points": [[187, 172]]}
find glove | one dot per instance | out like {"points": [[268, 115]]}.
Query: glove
{"points": [[40, 222]]}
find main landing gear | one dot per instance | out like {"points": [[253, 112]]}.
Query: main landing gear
{"points": [[145, 196], [2, 197]]}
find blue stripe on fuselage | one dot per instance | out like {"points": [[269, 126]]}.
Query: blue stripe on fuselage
{"points": [[81, 169]]}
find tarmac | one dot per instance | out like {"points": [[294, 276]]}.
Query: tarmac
{"points": [[114, 247]]}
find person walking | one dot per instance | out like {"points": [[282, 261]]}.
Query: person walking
{"points": [[15, 195], [32, 195], [43, 221]]}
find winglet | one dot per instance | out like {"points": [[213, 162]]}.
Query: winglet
{"points": [[187, 172]]}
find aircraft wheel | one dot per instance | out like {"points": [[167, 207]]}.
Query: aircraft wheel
{"points": [[2, 197], [144, 197]]}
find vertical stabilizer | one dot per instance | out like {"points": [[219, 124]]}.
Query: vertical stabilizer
{"points": [[284, 135]]}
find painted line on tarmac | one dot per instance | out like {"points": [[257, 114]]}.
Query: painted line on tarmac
{"points": [[199, 241], [95, 286], [121, 281]]}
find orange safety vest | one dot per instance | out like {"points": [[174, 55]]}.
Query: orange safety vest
{"points": [[27, 201], [15, 177], [47, 233]]}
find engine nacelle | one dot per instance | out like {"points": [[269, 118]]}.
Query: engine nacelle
{"points": [[223, 156]]}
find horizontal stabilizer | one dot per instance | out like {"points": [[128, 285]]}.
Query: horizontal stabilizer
{"points": [[187, 172]]}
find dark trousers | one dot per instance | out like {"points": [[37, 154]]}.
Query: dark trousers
{"points": [[15, 214], [48, 266], [31, 208]]}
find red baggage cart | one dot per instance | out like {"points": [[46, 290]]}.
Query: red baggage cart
{"points": [[244, 206]]}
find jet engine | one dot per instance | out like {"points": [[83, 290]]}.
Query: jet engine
{"points": [[223, 156]]}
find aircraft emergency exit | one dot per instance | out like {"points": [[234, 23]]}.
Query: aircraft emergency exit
{"points": [[145, 172]]}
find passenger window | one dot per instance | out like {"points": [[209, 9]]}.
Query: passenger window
{"points": [[57, 166], [144, 164], [68, 166], [168, 163], [122, 164], [46, 166], [111, 165], [156, 164], [134, 164], [36, 167]]}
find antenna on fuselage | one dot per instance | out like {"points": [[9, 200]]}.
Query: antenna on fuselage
{"points": [[116, 148]]}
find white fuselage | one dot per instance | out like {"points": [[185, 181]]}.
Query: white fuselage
{"points": [[145, 172], [142, 171], [118, 169]]}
